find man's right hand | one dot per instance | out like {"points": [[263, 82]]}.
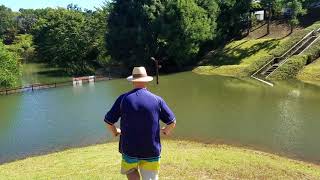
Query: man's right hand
{"points": [[117, 133]]}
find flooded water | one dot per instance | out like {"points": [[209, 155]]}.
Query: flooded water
{"points": [[284, 119]]}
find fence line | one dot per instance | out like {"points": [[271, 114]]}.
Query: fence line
{"points": [[39, 86]]}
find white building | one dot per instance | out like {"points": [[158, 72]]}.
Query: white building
{"points": [[259, 15]]}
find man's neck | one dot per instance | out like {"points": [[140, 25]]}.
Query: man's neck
{"points": [[140, 87]]}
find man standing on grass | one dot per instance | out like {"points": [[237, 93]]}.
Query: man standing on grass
{"points": [[140, 112]]}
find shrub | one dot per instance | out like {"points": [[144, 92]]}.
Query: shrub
{"points": [[313, 52], [9, 67], [291, 68]]}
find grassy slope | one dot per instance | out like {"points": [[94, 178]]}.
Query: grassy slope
{"points": [[242, 58], [181, 160], [311, 73], [238, 58]]}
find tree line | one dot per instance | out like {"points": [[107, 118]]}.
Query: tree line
{"points": [[127, 33]]}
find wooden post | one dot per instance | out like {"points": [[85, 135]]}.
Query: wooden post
{"points": [[32, 87], [55, 85], [157, 68]]}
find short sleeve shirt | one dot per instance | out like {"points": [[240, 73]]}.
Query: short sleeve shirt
{"points": [[140, 112]]}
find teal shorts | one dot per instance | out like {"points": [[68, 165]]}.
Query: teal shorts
{"points": [[148, 168]]}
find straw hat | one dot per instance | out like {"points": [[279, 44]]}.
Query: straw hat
{"points": [[139, 74]]}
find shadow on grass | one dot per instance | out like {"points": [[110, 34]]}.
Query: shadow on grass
{"points": [[234, 55]]}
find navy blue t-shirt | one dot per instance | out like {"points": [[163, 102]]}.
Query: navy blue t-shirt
{"points": [[140, 112]]}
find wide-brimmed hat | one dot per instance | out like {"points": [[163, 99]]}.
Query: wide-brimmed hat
{"points": [[139, 74]]}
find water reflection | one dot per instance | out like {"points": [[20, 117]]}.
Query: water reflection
{"points": [[289, 131]]}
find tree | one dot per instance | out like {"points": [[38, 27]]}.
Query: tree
{"points": [[26, 20], [186, 26], [296, 7], [10, 69], [233, 18], [131, 36], [7, 25], [173, 30], [271, 6], [68, 39]]}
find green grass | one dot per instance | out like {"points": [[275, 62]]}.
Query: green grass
{"points": [[311, 73], [242, 58], [295, 64], [180, 160], [291, 68], [291, 40], [238, 58]]}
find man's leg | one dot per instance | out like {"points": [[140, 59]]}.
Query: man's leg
{"points": [[129, 167], [149, 169], [134, 175]]}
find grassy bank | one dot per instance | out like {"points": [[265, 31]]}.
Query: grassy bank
{"points": [[311, 73], [244, 57], [295, 65], [238, 58], [180, 160]]}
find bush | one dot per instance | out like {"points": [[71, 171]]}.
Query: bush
{"points": [[313, 52], [9, 67], [291, 68], [23, 46]]}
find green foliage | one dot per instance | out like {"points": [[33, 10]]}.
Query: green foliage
{"points": [[255, 5], [7, 25], [9, 67], [23, 46], [26, 20], [187, 26], [69, 39], [172, 30], [297, 63], [313, 52], [297, 10], [291, 68], [233, 19]]}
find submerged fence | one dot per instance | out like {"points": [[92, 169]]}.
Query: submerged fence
{"points": [[38, 86]]}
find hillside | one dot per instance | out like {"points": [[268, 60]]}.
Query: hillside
{"points": [[311, 72], [241, 58]]}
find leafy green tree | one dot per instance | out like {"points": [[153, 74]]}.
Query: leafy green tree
{"points": [[233, 19], [10, 69], [131, 37], [297, 9], [26, 20], [67, 38], [7, 25], [186, 26], [172, 30]]}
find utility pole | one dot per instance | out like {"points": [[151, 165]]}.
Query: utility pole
{"points": [[157, 68]]}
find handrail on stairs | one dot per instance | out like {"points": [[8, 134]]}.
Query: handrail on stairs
{"points": [[280, 57]]}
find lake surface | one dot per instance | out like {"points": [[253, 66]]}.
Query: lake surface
{"points": [[284, 119]]}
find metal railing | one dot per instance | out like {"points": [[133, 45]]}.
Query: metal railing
{"points": [[33, 87], [283, 58]]}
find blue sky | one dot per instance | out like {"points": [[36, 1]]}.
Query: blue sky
{"points": [[15, 5]]}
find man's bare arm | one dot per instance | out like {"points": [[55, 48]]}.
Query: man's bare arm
{"points": [[115, 131], [168, 128]]}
